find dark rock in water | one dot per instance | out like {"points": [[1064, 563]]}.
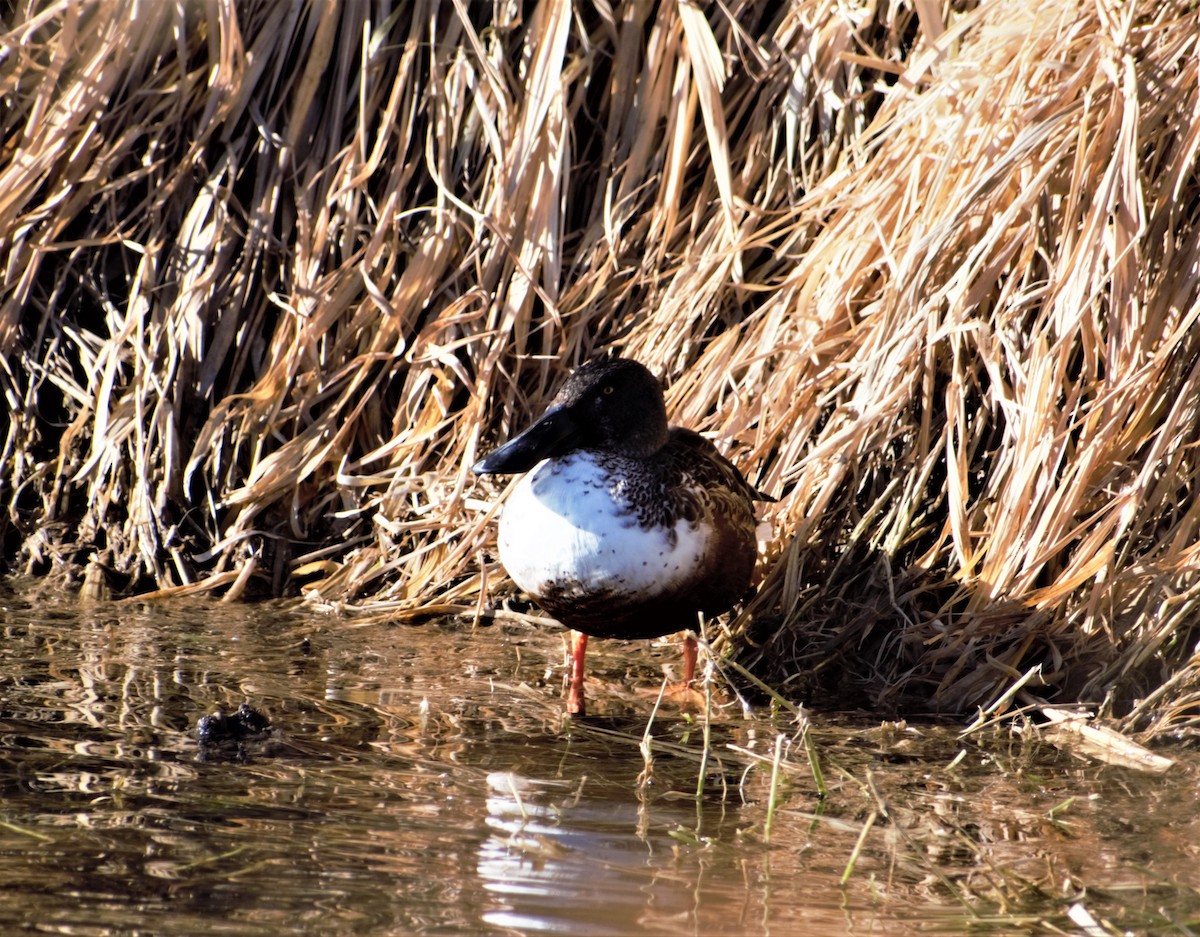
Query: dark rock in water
{"points": [[245, 725]]}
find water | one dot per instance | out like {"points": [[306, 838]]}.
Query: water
{"points": [[422, 780]]}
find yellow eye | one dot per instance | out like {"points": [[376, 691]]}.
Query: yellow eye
{"points": [[608, 389]]}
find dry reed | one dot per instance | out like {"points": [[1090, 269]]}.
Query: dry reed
{"points": [[273, 274]]}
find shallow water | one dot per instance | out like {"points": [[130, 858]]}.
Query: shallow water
{"points": [[421, 779]]}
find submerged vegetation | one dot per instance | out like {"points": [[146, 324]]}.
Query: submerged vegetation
{"points": [[274, 275]]}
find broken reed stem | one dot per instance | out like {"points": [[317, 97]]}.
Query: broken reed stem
{"points": [[773, 799], [775, 697], [858, 847], [707, 727], [709, 671], [814, 761], [995, 711], [646, 746]]}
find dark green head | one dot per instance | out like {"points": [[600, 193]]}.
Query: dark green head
{"points": [[608, 405]]}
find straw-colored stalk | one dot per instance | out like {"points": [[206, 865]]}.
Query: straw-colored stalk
{"points": [[274, 274]]}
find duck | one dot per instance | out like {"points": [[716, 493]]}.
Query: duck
{"points": [[622, 525]]}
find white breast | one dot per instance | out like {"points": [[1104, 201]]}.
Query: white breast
{"points": [[562, 527]]}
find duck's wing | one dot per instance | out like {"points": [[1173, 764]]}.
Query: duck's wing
{"points": [[700, 458], [693, 455]]}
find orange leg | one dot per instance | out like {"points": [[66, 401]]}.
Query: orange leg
{"points": [[689, 659], [575, 702]]}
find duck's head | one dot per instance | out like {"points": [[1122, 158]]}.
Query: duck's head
{"points": [[608, 405]]}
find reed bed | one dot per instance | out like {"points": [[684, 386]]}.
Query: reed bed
{"points": [[274, 274]]}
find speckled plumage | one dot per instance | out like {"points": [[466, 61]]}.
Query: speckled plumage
{"points": [[631, 545], [619, 547], [623, 526]]}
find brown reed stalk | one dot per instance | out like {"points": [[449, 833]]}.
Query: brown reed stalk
{"points": [[273, 274]]}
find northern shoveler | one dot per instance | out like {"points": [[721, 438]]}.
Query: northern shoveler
{"points": [[624, 526]]}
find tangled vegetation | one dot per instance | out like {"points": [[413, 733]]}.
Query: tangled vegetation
{"points": [[273, 275]]}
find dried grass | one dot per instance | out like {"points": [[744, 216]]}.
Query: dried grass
{"points": [[273, 274]]}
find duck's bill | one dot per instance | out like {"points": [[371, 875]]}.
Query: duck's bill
{"points": [[555, 434]]}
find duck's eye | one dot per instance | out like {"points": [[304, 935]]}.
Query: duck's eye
{"points": [[608, 390]]}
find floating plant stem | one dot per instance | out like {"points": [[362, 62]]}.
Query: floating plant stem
{"points": [[854, 853]]}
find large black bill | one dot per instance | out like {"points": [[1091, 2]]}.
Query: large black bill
{"points": [[555, 434]]}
